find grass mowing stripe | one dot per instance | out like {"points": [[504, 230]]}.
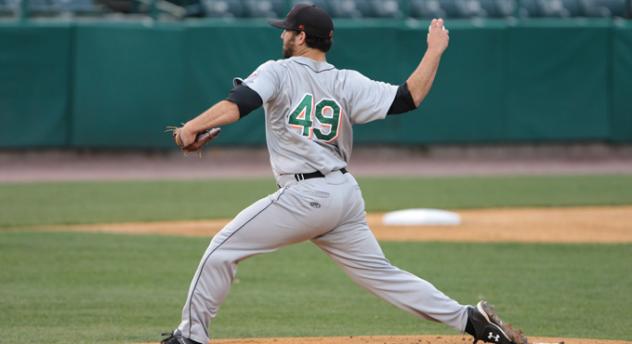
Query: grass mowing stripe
{"points": [[384, 194], [105, 288], [98, 202]]}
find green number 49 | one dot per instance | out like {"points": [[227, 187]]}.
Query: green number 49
{"points": [[326, 112]]}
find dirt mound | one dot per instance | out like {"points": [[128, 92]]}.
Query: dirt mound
{"points": [[550, 225]]}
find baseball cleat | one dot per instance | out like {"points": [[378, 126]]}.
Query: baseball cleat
{"points": [[488, 327], [176, 337]]}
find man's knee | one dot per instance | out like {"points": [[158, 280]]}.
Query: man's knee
{"points": [[221, 259]]}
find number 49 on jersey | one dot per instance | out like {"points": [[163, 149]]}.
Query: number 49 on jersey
{"points": [[321, 121]]}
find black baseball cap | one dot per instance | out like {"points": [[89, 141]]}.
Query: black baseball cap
{"points": [[309, 18]]}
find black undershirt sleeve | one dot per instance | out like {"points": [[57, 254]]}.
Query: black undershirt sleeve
{"points": [[245, 98], [403, 101]]}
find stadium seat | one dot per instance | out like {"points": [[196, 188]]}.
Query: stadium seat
{"points": [[364, 7], [264, 8], [451, 9], [324, 4], [344, 9], [552, 8], [426, 9], [498, 8], [462, 8], [192, 8], [603, 8], [223, 8], [6, 8], [386, 8], [378, 8], [527, 8], [472, 8], [544, 8], [573, 7], [80, 7], [43, 7]]}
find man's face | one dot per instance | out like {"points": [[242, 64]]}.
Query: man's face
{"points": [[288, 43]]}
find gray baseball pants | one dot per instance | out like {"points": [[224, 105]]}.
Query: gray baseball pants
{"points": [[330, 212]]}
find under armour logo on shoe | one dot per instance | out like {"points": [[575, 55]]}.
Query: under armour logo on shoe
{"points": [[314, 204], [496, 338]]}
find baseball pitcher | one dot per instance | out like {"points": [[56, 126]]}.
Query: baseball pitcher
{"points": [[310, 108]]}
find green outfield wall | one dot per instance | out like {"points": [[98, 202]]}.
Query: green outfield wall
{"points": [[118, 84]]}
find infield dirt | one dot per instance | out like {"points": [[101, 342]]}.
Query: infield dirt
{"points": [[529, 225]]}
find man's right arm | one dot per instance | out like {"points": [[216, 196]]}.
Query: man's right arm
{"points": [[257, 89], [220, 114]]}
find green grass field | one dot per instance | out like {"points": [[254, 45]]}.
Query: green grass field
{"points": [[97, 202], [105, 288], [98, 288]]}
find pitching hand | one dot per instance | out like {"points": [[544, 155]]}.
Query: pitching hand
{"points": [[438, 37]]}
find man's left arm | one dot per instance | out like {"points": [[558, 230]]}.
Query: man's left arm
{"points": [[410, 94]]}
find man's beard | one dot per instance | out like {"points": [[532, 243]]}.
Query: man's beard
{"points": [[288, 49]]}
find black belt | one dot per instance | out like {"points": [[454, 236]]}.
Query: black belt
{"points": [[317, 174]]}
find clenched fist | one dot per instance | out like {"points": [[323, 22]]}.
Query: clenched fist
{"points": [[438, 37], [190, 142]]}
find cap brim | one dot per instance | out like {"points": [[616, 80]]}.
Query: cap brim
{"points": [[278, 23]]}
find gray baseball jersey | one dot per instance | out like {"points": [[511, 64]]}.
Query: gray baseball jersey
{"points": [[310, 107]]}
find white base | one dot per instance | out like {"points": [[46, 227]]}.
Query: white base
{"points": [[428, 217]]}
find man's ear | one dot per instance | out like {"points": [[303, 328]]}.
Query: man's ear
{"points": [[301, 37]]}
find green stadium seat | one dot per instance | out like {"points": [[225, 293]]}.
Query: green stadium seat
{"points": [[603, 8], [452, 9], [499, 8], [573, 8], [462, 8], [324, 4], [7, 8], [80, 7], [553, 8], [544, 8], [223, 8], [192, 8], [344, 9], [426, 9], [379, 8], [527, 8], [264, 8], [43, 8]]}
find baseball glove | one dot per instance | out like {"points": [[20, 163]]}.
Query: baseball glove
{"points": [[200, 139]]}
